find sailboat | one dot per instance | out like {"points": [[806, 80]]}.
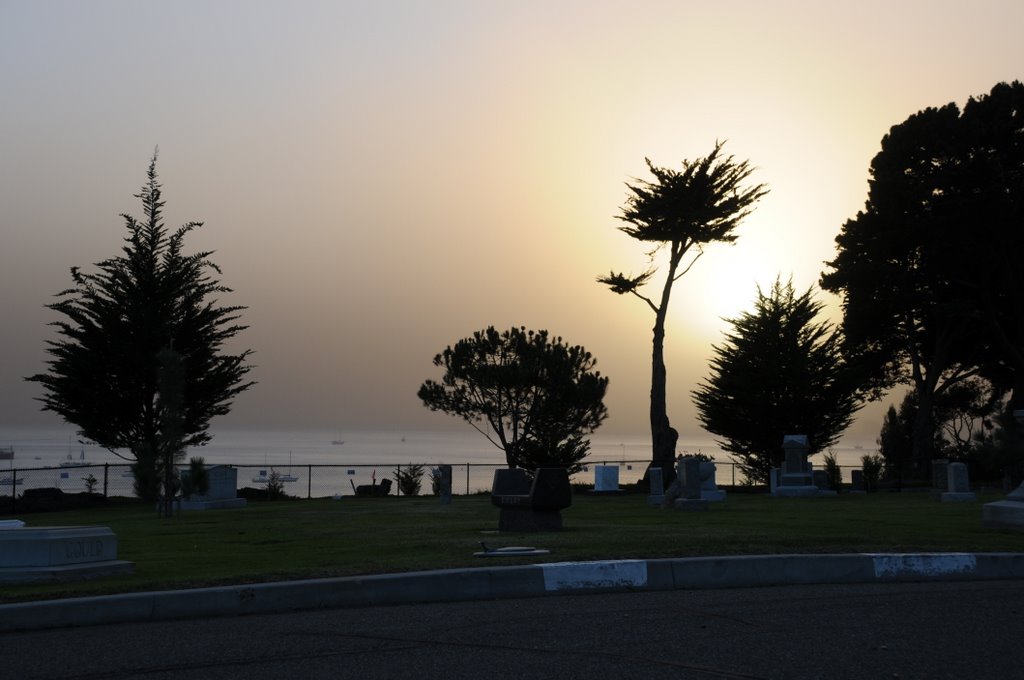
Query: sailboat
{"points": [[263, 477], [81, 462]]}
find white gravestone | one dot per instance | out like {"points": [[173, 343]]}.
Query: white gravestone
{"points": [[959, 486], [606, 478]]}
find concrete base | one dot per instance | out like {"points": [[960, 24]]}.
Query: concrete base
{"points": [[656, 500], [1003, 515], [220, 504], [713, 496], [58, 553], [690, 504], [958, 497]]}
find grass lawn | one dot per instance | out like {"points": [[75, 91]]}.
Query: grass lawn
{"points": [[269, 541]]}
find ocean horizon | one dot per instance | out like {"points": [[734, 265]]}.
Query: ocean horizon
{"points": [[360, 456]]}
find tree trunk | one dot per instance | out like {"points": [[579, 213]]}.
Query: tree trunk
{"points": [[663, 436]]}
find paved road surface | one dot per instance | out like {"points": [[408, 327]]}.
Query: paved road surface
{"points": [[906, 630]]}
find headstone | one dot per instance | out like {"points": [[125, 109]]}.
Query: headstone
{"points": [[820, 479], [688, 473], [606, 478], [709, 490], [511, 482], [796, 477], [940, 477], [656, 485], [959, 486], [1009, 512], [531, 505], [223, 491], [32, 554], [857, 481], [445, 492]]}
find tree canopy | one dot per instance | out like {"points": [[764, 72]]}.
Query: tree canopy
{"points": [[532, 395], [778, 372], [140, 362], [931, 291], [680, 211]]}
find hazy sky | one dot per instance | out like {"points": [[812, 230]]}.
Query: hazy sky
{"points": [[380, 179]]}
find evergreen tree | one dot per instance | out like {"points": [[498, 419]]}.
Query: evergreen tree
{"points": [[139, 366], [778, 372]]}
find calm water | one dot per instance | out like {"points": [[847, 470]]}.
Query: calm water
{"points": [[364, 456]]}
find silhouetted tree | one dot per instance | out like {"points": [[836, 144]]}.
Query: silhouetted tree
{"points": [[139, 365], [896, 439], [680, 211], [531, 395], [932, 294], [777, 373]]}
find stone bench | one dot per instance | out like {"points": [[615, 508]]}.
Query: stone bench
{"points": [[531, 504]]}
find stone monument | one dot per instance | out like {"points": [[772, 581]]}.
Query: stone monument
{"points": [[656, 486], [688, 478], [606, 479], [959, 489], [1009, 512], [940, 477], [709, 490], [33, 554], [796, 478], [445, 490], [222, 493]]}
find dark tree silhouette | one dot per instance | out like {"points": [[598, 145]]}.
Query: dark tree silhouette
{"points": [[139, 365], [777, 373], [531, 395], [681, 211], [928, 270]]}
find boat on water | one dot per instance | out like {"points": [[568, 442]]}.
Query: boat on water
{"points": [[337, 442], [71, 462], [263, 477]]}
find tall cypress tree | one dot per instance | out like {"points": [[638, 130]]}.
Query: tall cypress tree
{"points": [[778, 372], [139, 365]]}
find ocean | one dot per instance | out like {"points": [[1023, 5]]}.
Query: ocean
{"points": [[330, 462]]}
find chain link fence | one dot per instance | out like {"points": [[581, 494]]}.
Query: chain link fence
{"points": [[308, 481]]}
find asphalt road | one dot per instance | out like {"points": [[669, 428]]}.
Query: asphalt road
{"points": [[889, 630]]}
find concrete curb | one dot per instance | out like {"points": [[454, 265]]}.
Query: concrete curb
{"points": [[505, 582]]}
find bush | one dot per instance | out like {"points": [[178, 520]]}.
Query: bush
{"points": [[872, 464], [833, 471], [410, 479], [275, 487], [197, 481]]}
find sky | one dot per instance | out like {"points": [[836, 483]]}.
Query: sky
{"points": [[380, 179]]}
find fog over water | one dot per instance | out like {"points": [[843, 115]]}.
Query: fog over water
{"points": [[379, 180]]}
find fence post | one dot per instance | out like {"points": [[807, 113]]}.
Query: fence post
{"points": [[309, 481], [467, 479], [14, 491], [106, 475]]}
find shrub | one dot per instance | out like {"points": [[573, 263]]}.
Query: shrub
{"points": [[410, 479], [872, 464], [196, 481], [275, 487], [833, 471]]}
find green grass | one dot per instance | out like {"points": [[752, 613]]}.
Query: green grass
{"points": [[317, 538]]}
